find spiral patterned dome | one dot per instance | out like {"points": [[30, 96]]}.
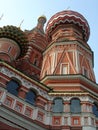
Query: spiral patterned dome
{"points": [[14, 33], [68, 17]]}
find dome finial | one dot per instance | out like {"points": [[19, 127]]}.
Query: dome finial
{"points": [[21, 23], [42, 19], [68, 8], [1, 16]]}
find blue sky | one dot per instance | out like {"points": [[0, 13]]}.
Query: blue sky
{"points": [[14, 11]]}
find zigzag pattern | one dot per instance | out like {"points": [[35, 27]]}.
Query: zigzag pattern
{"points": [[69, 17]]}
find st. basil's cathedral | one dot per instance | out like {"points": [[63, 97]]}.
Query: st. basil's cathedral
{"points": [[47, 80]]}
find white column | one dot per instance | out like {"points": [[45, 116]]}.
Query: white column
{"points": [[3, 97], [47, 119], [69, 121], [35, 112]]}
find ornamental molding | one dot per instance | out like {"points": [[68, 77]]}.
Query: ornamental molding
{"points": [[83, 98], [24, 82], [59, 46]]}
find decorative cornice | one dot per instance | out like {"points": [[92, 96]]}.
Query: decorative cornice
{"points": [[75, 78], [10, 68], [68, 93], [71, 42]]}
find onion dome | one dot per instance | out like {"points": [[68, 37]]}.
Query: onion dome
{"points": [[68, 17], [17, 35]]}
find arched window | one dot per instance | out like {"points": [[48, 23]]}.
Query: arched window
{"points": [[31, 97], [95, 109], [13, 87], [57, 105], [75, 106]]}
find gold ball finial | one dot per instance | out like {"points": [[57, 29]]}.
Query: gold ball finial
{"points": [[42, 19]]}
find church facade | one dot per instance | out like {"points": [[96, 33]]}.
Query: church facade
{"points": [[47, 80]]}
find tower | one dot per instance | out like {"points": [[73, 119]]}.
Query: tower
{"points": [[68, 52], [46, 78], [68, 70], [31, 63]]}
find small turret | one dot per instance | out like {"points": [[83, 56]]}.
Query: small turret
{"points": [[32, 61]]}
